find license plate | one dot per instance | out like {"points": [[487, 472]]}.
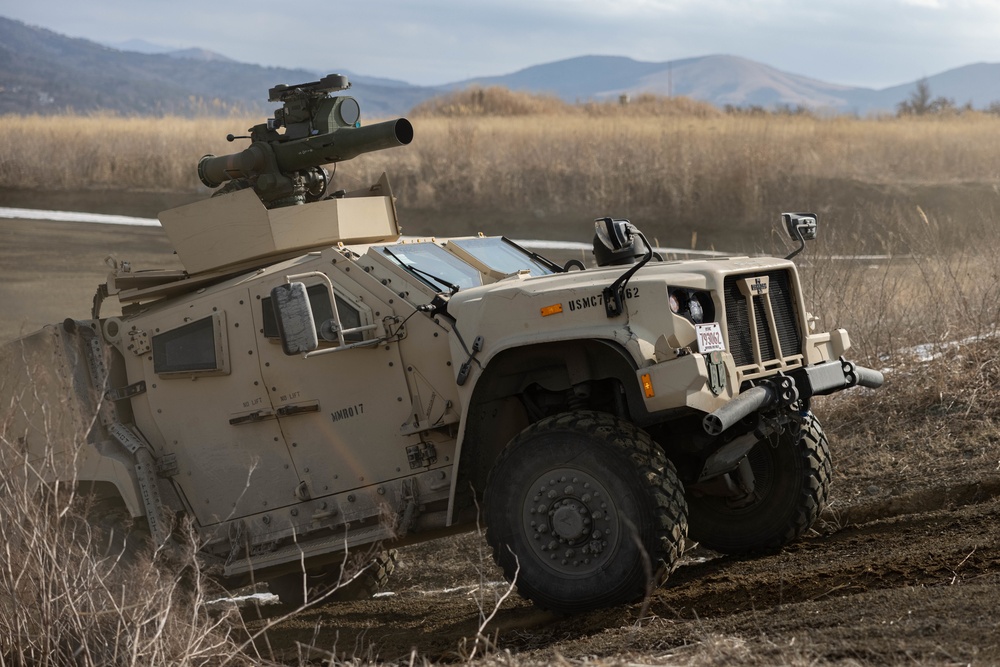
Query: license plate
{"points": [[710, 338]]}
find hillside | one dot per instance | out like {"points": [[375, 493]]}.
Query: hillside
{"points": [[44, 72], [730, 80]]}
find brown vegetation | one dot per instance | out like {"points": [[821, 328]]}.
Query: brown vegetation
{"points": [[74, 588], [671, 173]]}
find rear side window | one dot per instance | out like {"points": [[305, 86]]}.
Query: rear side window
{"points": [[196, 347]]}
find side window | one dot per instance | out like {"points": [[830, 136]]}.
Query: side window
{"points": [[319, 299], [195, 347]]}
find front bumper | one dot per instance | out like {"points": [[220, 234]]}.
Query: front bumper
{"points": [[800, 384]]}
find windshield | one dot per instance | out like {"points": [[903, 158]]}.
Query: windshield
{"points": [[501, 255], [434, 265]]}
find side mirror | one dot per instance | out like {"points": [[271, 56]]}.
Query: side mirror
{"points": [[293, 312], [617, 242], [801, 227]]}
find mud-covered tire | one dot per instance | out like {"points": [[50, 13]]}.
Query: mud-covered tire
{"points": [[583, 511], [291, 592], [792, 474]]}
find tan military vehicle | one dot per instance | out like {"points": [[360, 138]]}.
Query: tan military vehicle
{"points": [[313, 384]]}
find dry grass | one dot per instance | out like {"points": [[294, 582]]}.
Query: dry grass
{"points": [[499, 102], [671, 172], [75, 593], [104, 151]]}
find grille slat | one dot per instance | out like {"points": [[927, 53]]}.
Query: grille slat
{"points": [[738, 319]]}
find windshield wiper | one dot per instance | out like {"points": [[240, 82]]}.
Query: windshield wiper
{"points": [[452, 287], [541, 259]]}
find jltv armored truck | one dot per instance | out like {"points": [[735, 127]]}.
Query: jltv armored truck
{"points": [[312, 384]]}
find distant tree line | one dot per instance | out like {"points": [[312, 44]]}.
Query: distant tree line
{"points": [[923, 103], [920, 103]]}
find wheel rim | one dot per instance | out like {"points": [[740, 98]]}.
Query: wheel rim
{"points": [[571, 522]]}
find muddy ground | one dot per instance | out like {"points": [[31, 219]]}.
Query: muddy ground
{"points": [[904, 567], [919, 587]]}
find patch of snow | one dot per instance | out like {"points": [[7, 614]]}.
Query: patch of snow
{"points": [[74, 216]]}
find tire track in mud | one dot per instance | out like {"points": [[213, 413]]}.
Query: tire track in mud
{"points": [[933, 537], [834, 574]]}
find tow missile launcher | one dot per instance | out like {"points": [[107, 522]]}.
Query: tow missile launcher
{"points": [[286, 168], [312, 386]]}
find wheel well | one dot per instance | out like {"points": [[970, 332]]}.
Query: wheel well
{"points": [[104, 491], [522, 385]]}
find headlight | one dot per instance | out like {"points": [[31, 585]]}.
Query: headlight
{"points": [[694, 306]]}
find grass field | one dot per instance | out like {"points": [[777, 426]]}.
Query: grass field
{"points": [[674, 175]]}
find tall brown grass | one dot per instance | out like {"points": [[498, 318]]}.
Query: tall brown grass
{"points": [[674, 173], [75, 593]]}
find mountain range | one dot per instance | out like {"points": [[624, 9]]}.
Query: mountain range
{"points": [[45, 72]]}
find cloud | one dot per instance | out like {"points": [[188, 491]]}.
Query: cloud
{"points": [[861, 42]]}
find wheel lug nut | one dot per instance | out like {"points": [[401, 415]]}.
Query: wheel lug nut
{"points": [[586, 498], [552, 546], [550, 495], [569, 490]]}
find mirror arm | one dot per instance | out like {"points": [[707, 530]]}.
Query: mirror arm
{"points": [[802, 242]]}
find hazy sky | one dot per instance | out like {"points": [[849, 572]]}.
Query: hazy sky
{"points": [[875, 43]]}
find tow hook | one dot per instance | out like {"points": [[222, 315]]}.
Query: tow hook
{"points": [[777, 390]]}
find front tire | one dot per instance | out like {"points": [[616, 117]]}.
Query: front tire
{"points": [[583, 511], [792, 475]]}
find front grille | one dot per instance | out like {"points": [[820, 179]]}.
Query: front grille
{"points": [[779, 324]]}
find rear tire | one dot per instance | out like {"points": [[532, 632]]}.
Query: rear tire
{"points": [[583, 512], [792, 475], [294, 592]]}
